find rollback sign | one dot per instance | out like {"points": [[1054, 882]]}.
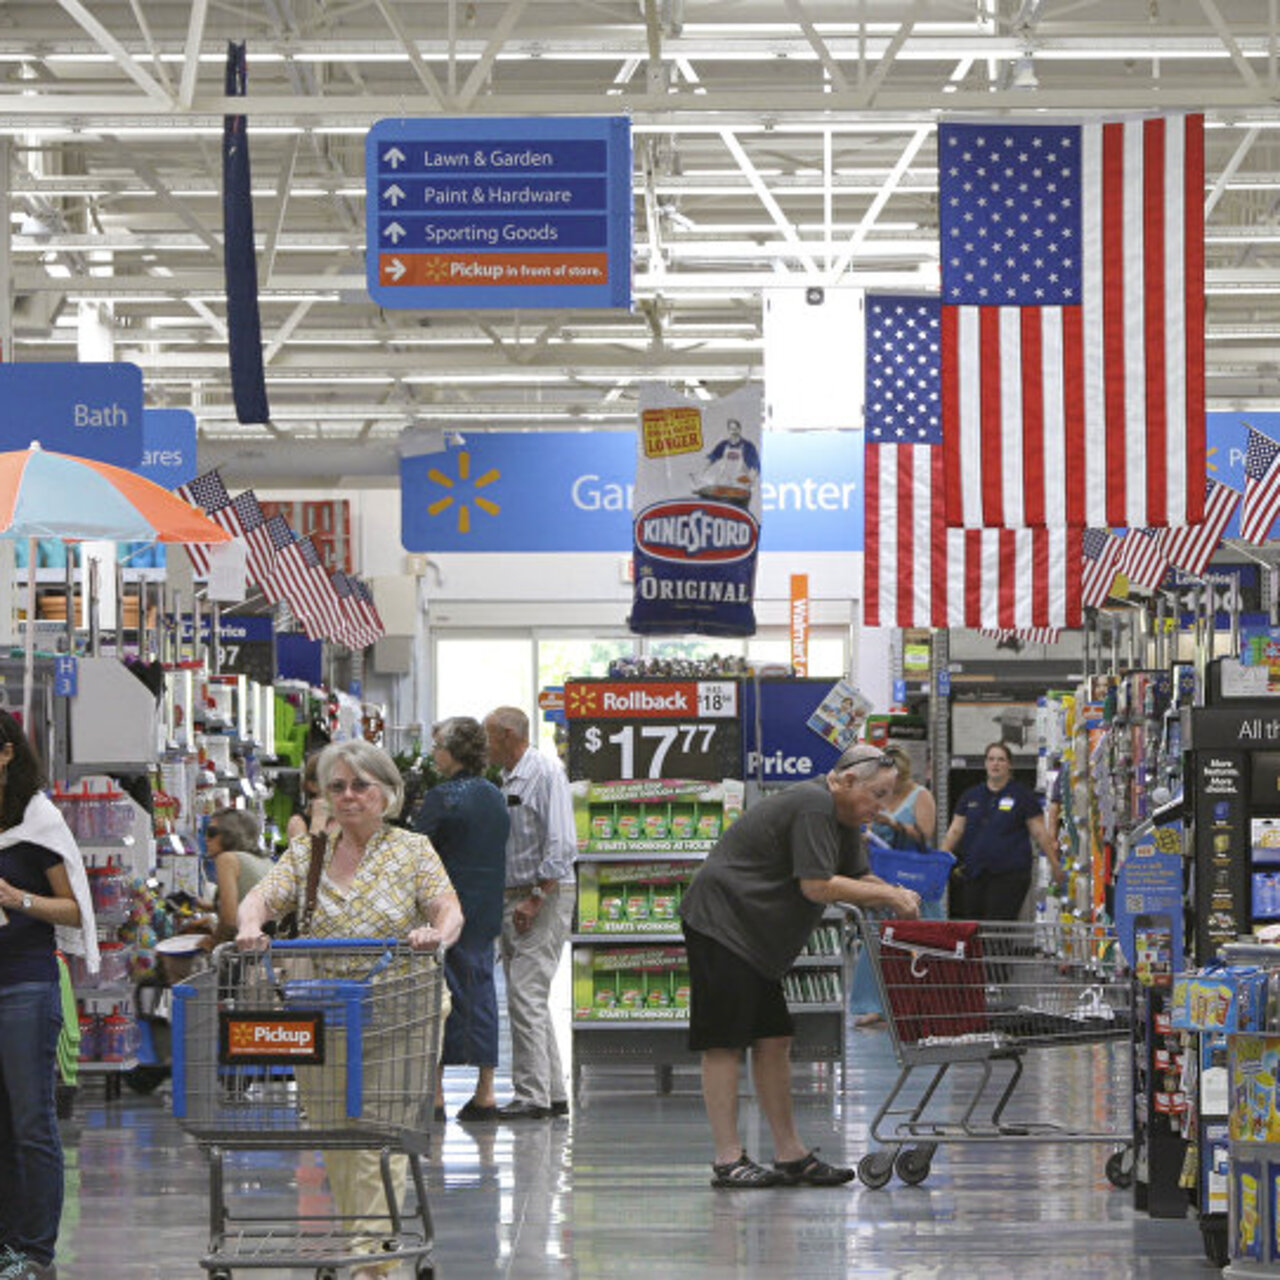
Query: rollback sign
{"points": [[697, 522]]}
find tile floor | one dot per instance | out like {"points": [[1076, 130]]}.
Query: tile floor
{"points": [[620, 1190]]}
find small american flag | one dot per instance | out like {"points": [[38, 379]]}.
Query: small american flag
{"points": [[209, 494], [359, 633], [365, 592], [1028, 635], [253, 529], [1261, 487], [1073, 324], [1143, 559], [917, 572], [1099, 551], [1192, 548]]}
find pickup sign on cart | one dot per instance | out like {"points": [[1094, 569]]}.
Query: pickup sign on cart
{"points": [[271, 1038]]}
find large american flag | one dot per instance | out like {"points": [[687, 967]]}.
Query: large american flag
{"points": [[1261, 487], [1073, 330], [1191, 549], [916, 571]]}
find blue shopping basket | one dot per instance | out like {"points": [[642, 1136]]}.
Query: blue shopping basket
{"points": [[924, 870]]}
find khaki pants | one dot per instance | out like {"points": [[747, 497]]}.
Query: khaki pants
{"points": [[398, 1091]]}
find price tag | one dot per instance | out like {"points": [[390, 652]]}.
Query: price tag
{"points": [[610, 751], [717, 698]]}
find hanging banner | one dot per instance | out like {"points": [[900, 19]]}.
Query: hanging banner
{"points": [[697, 505], [800, 623]]}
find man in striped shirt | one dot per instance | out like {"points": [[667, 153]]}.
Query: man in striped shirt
{"points": [[537, 911]]}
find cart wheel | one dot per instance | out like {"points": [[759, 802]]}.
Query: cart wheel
{"points": [[1120, 1169], [876, 1168], [913, 1165], [1216, 1248], [425, 1271], [326, 1273], [221, 1274]]}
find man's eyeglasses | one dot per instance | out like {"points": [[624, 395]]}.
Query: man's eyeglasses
{"points": [[358, 786]]}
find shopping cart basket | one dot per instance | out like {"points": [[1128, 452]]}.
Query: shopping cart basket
{"points": [[328, 1044], [983, 993]]}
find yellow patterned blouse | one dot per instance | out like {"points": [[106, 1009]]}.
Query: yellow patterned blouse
{"points": [[397, 877]]}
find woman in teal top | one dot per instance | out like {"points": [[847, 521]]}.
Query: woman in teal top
{"points": [[910, 813]]}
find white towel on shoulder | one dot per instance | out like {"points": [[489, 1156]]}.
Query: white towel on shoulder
{"points": [[42, 824]]}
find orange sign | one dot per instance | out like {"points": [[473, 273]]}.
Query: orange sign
{"points": [[800, 623], [492, 268], [666, 432], [252, 1038], [551, 699]]}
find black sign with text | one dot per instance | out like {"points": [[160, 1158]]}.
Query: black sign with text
{"points": [[620, 751]]}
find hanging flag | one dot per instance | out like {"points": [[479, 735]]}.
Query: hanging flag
{"points": [[697, 521], [355, 622], [1261, 487], [253, 529], [1143, 559], [209, 494], [365, 593], [1099, 552], [916, 571], [1192, 548], [292, 578], [1028, 635], [240, 265], [1073, 324]]}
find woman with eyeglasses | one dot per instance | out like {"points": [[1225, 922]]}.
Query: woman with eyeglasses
{"points": [[231, 838], [44, 903], [467, 819], [377, 881]]}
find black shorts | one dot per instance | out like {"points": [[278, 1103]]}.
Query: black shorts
{"points": [[731, 1005]]}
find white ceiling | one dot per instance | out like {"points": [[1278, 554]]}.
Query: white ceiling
{"points": [[777, 142]]}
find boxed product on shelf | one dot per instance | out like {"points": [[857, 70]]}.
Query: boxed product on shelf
{"points": [[620, 983], [631, 897], [654, 816], [1224, 998]]}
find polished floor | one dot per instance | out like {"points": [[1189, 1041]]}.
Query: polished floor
{"points": [[620, 1189]]}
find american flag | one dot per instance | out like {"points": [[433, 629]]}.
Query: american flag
{"points": [[917, 572], [358, 632], [292, 577], [1261, 487], [1143, 559], [1099, 551], [1191, 549], [253, 529], [365, 592], [209, 494], [1029, 635], [1073, 330]]}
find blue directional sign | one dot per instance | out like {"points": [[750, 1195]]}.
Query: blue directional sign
{"points": [[169, 446], [500, 212], [87, 410]]}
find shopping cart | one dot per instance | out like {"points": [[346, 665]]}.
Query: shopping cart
{"points": [[983, 993], [328, 1044]]}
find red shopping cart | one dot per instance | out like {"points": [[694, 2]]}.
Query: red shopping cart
{"points": [[984, 993]]}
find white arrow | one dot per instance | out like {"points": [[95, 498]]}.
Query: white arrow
{"points": [[394, 194], [395, 269], [395, 157], [396, 232]]}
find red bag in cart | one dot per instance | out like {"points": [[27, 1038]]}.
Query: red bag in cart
{"points": [[934, 977]]}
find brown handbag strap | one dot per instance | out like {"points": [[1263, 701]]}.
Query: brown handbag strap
{"points": [[318, 842]]}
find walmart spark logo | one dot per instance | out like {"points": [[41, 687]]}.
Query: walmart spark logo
{"points": [[463, 492]]}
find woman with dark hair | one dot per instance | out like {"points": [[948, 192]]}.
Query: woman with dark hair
{"points": [[467, 820], [313, 817], [231, 837], [44, 903], [992, 829]]}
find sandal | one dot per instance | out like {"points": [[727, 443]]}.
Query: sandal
{"points": [[745, 1173], [812, 1172], [868, 1021]]}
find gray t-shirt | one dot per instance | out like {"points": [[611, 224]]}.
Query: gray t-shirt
{"points": [[747, 894]]}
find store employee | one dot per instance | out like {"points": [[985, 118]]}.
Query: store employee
{"points": [[991, 833]]}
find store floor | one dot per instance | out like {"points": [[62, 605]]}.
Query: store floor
{"points": [[620, 1190]]}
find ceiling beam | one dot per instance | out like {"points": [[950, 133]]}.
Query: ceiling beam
{"points": [[124, 59]]}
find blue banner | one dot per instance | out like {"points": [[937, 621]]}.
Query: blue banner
{"points": [[495, 492], [786, 750], [168, 446], [86, 410], [522, 212]]}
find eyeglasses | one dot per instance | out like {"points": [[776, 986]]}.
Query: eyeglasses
{"points": [[881, 761], [358, 786]]}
